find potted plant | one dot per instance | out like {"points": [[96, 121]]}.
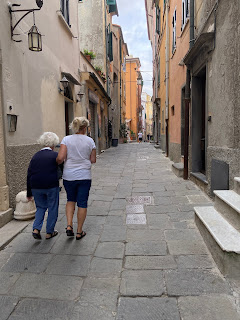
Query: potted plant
{"points": [[123, 133], [99, 70], [89, 55], [103, 77], [132, 135]]}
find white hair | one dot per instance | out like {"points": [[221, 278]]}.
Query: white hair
{"points": [[79, 123], [48, 139]]}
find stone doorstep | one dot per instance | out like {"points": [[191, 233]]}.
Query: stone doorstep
{"points": [[177, 169], [230, 197], [225, 235], [10, 231], [5, 217], [237, 184]]}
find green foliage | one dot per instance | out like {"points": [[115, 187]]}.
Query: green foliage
{"points": [[89, 53], [98, 68], [123, 130]]}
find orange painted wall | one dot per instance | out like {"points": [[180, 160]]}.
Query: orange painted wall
{"points": [[132, 65], [177, 73]]}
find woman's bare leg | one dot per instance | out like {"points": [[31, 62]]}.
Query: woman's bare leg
{"points": [[81, 216], [70, 208]]}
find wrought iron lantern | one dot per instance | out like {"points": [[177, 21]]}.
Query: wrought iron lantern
{"points": [[64, 82], [34, 39]]}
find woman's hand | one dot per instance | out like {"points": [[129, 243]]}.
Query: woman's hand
{"points": [[29, 198], [62, 154]]}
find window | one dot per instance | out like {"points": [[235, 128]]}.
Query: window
{"points": [[158, 20], [159, 72], [185, 12], [65, 10], [174, 38], [110, 46]]}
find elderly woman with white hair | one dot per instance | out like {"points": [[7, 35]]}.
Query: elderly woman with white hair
{"points": [[43, 184], [79, 152]]}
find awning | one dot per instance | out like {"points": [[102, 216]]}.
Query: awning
{"points": [[71, 78]]}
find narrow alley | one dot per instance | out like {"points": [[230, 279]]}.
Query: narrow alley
{"points": [[143, 257]]}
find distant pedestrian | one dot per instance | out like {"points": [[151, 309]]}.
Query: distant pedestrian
{"points": [[140, 136], [79, 152], [43, 184]]}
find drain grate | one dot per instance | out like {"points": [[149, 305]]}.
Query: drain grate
{"points": [[140, 200], [135, 209], [136, 219]]}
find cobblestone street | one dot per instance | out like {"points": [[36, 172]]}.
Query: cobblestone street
{"points": [[142, 259]]}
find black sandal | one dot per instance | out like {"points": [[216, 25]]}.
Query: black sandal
{"points": [[82, 234], [54, 234], [70, 233], [37, 236]]}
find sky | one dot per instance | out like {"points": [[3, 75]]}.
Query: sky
{"points": [[132, 19]]}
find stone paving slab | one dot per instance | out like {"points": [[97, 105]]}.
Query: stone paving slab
{"points": [[142, 283], [148, 309], [194, 282], [150, 262], [29, 309], [146, 248], [207, 307], [195, 262], [27, 262], [144, 235], [47, 286], [102, 284], [113, 233], [182, 247], [7, 280], [7, 305], [110, 250], [105, 268]]}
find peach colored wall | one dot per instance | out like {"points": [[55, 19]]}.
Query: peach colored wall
{"points": [[177, 73], [131, 94]]}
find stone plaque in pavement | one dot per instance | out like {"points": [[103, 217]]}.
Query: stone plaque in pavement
{"points": [[147, 309], [39, 309], [140, 200], [27, 262], [105, 268], [146, 248], [142, 283], [68, 245], [110, 250], [194, 282], [113, 233], [7, 304], [135, 209], [150, 262], [136, 219], [7, 280], [47, 286], [69, 265], [207, 307]]}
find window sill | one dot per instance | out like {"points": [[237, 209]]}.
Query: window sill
{"points": [[199, 176], [61, 17], [184, 27]]}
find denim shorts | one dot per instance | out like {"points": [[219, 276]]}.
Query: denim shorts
{"points": [[78, 191]]}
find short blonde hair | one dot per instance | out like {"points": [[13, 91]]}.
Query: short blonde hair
{"points": [[79, 123], [48, 139]]}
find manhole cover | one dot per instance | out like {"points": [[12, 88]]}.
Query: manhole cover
{"points": [[136, 219], [135, 209], [140, 200]]}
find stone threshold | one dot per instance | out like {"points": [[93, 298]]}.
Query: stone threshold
{"points": [[10, 231]]}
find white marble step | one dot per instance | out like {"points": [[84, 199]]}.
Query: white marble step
{"points": [[237, 184], [230, 197], [226, 236]]}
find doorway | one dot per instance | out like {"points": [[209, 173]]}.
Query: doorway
{"points": [[69, 115], [199, 122]]}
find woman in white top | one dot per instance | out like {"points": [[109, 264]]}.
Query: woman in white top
{"points": [[78, 152]]}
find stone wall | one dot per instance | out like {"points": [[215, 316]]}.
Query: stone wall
{"points": [[175, 152], [18, 158]]}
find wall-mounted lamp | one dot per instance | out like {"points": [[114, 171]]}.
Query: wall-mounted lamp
{"points": [[64, 82], [34, 36]]}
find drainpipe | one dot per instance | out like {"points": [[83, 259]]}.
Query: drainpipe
{"points": [[167, 80], [187, 96]]}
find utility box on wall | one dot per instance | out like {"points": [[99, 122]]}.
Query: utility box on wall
{"points": [[219, 175]]}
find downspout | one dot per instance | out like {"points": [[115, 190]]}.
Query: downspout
{"points": [[167, 78], [187, 96]]}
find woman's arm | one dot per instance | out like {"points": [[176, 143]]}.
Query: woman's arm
{"points": [[93, 156], [62, 154]]}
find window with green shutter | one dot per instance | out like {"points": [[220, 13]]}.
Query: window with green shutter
{"points": [[111, 2], [158, 20], [110, 46]]}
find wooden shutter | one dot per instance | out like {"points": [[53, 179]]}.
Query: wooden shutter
{"points": [[110, 46], [111, 2]]}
